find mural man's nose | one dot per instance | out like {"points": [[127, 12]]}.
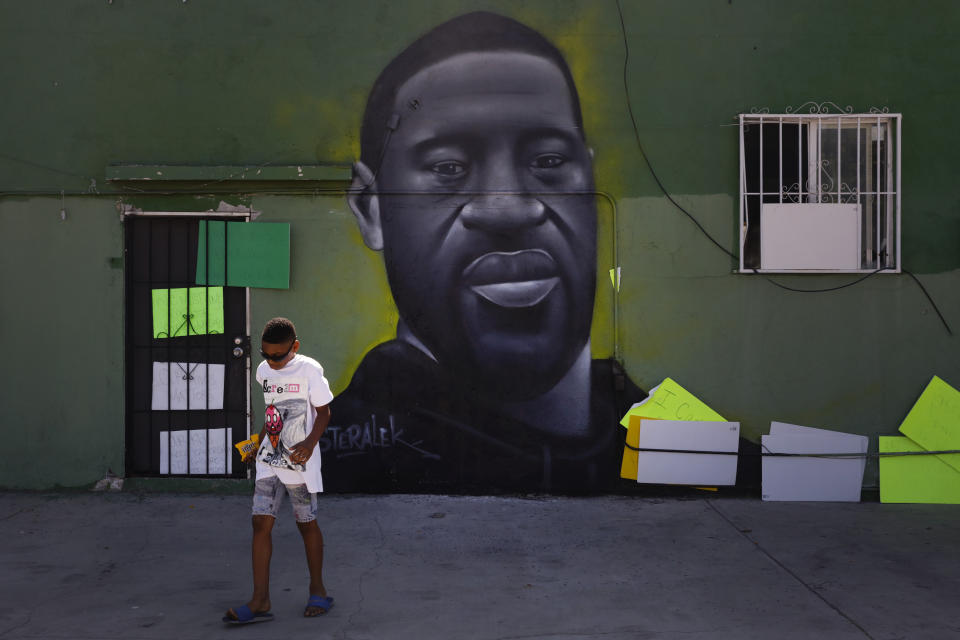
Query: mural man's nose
{"points": [[501, 202], [502, 212]]}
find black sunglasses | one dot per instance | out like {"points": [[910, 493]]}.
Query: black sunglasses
{"points": [[273, 358]]}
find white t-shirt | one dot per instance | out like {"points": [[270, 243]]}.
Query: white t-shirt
{"points": [[291, 395]]}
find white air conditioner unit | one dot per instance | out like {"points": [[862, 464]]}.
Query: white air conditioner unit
{"points": [[809, 236]]}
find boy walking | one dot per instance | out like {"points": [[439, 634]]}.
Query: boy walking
{"points": [[297, 398]]}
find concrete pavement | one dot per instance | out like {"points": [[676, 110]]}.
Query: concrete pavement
{"points": [[150, 566]]}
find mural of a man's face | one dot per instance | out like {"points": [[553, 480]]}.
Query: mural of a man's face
{"points": [[483, 207]]}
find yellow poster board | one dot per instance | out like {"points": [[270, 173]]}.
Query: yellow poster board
{"points": [[916, 479], [631, 458], [934, 421], [669, 401]]}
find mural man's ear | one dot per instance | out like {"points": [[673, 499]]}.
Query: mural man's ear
{"points": [[365, 204]]}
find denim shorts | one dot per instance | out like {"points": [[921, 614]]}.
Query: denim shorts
{"points": [[268, 496]]}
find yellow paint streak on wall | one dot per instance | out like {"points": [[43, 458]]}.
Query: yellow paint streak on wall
{"points": [[588, 38], [375, 307], [330, 266], [591, 42]]}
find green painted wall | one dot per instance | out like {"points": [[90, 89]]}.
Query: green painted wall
{"points": [[62, 324], [89, 83]]}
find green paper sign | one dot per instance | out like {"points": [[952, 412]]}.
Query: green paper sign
{"points": [[916, 479], [934, 421], [255, 254], [190, 312], [670, 401]]}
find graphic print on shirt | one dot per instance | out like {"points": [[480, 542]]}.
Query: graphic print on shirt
{"points": [[285, 420], [274, 424]]}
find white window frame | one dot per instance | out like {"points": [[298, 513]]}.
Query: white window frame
{"points": [[878, 224]]}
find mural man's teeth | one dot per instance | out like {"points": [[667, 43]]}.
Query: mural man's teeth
{"points": [[526, 293]]}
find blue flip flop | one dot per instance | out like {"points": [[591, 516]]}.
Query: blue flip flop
{"points": [[321, 602], [246, 616]]}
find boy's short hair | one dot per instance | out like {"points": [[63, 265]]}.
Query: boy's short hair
{"points": [[278, 331]]}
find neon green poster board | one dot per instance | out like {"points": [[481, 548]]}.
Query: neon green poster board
{"points": [[255, 254], [934, 421], [669, 401], [191, 312], [916, 479]]}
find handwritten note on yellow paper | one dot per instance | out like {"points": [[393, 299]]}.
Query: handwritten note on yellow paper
{"points": [[670, 401], [923, 479], [934, 421]]}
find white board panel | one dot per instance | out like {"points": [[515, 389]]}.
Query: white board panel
{"points": [[844, 441], [813, 479], [809, 236], [688, 468]]}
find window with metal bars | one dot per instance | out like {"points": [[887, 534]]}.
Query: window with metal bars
{"points": [[820, 193]]}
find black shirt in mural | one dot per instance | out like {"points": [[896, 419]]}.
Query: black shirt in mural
{"points": [[404, 424]]}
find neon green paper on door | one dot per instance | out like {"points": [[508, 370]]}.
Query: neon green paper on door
{"points": [[190, 312]]}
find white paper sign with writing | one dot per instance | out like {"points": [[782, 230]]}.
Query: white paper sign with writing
{"points": [[187, 385], [208, 451]]}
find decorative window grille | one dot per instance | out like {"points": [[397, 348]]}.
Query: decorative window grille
{"points": [[820, 192]]}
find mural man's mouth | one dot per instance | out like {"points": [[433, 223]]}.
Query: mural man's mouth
{"points": [[514, 279], [516, 294]]}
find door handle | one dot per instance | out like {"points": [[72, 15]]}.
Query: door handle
{"points": [[241, 343]]}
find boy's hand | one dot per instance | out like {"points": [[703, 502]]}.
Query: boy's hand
{"points": [[249, 449], [300, 453]]}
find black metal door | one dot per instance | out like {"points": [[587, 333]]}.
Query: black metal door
{"points": [[186, 369]]}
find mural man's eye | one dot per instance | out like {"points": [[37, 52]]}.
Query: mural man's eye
{"points": [[548, 161], [448, 168]]}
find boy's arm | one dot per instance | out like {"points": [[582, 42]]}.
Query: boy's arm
{"points": [[302, 451], [263, 429]]}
